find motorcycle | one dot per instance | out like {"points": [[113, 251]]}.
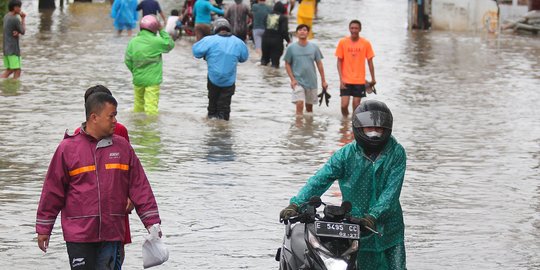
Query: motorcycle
{"points": [[312, 242]]}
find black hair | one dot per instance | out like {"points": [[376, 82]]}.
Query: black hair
{"points": [[175, 12], [357, 22], [96, 103], [96, 89], [14, 3], [300, 26], [279, 8]]}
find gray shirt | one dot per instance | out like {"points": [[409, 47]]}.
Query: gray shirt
{"points": [[260, 11], [302, 60], [11, 43]]}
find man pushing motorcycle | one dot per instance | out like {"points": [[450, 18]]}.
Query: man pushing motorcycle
{"points": [[370, 171]]}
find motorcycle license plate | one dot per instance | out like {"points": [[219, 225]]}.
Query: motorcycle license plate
{"points": [[339, 230]]}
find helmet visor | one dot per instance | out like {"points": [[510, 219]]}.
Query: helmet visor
{"points": [[373, 119]]}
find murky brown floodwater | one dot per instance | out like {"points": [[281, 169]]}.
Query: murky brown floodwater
{"points": [[466, 108]]}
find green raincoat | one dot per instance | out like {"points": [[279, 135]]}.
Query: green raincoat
{"points": [[373, 187], [143, 57]]}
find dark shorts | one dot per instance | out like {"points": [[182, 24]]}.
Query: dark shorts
{"points": [[355, 90], [90, 256]]}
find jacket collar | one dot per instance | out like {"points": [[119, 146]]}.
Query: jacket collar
{"points": [[144, 32], [107, 141]]}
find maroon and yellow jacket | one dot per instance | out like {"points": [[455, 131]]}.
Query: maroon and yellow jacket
{"points": [[89, 181]]}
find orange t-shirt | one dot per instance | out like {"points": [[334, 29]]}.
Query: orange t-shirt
{"points": [[354, 56]]}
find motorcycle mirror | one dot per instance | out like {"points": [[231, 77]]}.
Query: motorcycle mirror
{"points": [[346, 206], [315, 201]]}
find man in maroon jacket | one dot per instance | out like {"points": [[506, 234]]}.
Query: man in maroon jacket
{"points": [[90, 178]]}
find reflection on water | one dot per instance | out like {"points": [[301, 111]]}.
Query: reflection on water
{"points": [[465, 108], [346, 131], [146, 139], [10, 87], [220, 141]]}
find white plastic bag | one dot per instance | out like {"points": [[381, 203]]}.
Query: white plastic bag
{"points": [[154, 251]]}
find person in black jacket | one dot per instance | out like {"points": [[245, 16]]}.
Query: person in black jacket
{"points": [[276, 30]]}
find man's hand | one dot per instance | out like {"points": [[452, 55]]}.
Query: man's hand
{"points": [[294, 83], [324, 85], [368, 221], [43, 242], [22, 14], [158, 228], [341, 84], [373, 81], [288, 212], [129, 206]]}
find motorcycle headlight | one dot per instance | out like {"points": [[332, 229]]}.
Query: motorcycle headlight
{"points": [[352, 249], [314, 242], [333, 263]]}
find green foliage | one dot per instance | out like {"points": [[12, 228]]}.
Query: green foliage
{"points": [[3, 9]]}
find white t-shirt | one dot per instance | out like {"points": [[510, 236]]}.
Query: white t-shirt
{"points": [[171, 24]]}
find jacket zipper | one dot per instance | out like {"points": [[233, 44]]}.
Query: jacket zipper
{"points": [[99, 191]]}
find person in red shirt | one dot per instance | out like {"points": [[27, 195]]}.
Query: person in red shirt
{"points": [[352, 53]]}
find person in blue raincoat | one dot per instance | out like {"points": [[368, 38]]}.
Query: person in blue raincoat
{"points": [[124, 13], [370, 171], [222, 52]]}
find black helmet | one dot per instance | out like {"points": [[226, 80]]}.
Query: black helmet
{"points": [[372, 113], [221, 24]]}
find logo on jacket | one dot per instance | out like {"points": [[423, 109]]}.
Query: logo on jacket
{"points": [[114, 155], [77, 262]]}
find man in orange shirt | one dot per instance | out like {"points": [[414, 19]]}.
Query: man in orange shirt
{"points": [[352, 53]]}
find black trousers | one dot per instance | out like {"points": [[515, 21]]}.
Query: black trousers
{"points": [[219, 101], [272, 49]]}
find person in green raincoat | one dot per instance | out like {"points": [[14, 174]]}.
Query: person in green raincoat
{"points": [[370, 171], [143, 59]]}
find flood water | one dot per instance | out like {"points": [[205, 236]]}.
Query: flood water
{"points": [[465, 106]]}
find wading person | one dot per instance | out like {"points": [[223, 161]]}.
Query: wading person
{"points": [[277, 30], [90, 178], [352, 53], [13, 29], [259, 11], [238, 14], [370, 171], [306, 13], [124, 13], [143, 59], [151, 7], [300, 60], [202, 11], [174, 25], [222, 52]]}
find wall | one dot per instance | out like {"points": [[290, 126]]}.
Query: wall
{"points": [[464, 15]]}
